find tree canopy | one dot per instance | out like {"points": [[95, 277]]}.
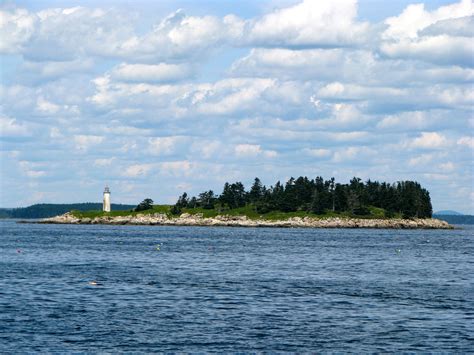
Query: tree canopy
{"points": [[407, 198], [146, 204]]}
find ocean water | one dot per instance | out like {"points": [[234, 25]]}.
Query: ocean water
{"points": [[130, 288]]}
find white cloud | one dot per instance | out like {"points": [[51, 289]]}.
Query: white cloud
{"points": [[337, 90], [422, 159], [84, 142], [440, 49], [415, 18], [434, 36], [447, 167], [45, 106], [55, 133], [150, 72], [404, 120], [429, 140], [270, 153], [9, 127], [32, 169], [309, 24], [104, 162], [35, 173], [466, 141], [314, 84], [49, 70], [233, 95], [165, 145], [353, 154], [318, 152], [247, 150], [461, 26], [176, 168], [348, 136], [16, 28], [69, 33], [137, 170], [360, 66], [253, 150], [179, 36], [207, 149]]}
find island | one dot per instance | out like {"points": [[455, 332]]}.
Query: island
{"points": [[301, 202]]}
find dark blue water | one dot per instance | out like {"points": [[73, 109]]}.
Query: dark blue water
{"points": [[234, 289]]}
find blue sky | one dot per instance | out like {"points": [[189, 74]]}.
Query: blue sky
{"points": [[157, 98]]}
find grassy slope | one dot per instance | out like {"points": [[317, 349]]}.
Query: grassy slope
{"points": [[248, 211]]}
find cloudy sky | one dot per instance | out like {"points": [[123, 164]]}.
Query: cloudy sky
{"points": [[157, 98]]}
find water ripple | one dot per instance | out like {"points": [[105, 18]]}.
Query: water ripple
{"points": [[109, 288]]}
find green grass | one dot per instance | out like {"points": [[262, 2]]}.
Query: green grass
{"points": [[92, 214], [248, 211]]}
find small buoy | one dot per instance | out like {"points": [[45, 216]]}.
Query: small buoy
{"points": [[398, 251], [18, 251]]}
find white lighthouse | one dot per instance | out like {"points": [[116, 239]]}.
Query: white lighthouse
{"points": [[106, 205]]}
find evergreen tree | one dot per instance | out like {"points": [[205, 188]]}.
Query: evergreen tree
{"points": [[256, 191], [146, 204], [317, 203], [407, 198], [183, 200], [207, 200]]}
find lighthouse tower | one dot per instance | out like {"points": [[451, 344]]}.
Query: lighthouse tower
{"points": [[106, 205]]}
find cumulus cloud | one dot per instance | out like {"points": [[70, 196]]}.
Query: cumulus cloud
{"points": [[9, 128], [176, 168], [308, 83], [49, 70], [84, 142], [31, 169], [466, 141], [353, 154], [137, 170], [317, 152], [415, 120], [309, 24], [104, 162], [68, 33], [429, 140], [161, 72], [422, 159], [17, 26], [65, 34], [440, 49], [179, 36], [461, 26], [45, 106], [208, 148], [447, 167], [165, 145], [252, 151], [442, 36]]}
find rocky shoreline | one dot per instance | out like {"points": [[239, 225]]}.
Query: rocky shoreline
{"points": [[242, 221]]}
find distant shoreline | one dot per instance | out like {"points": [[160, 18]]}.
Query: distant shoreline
{"points": [[186, 219]]}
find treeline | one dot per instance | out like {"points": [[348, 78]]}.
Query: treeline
{"points": [[318, 196], [46, 210]]}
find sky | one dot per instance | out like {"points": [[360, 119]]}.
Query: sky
{"points": [[158, 98]]}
